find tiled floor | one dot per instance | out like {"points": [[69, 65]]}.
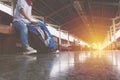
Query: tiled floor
{"points": [[98, 65]]}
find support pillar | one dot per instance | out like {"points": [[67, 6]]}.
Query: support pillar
{"points": [[68, 39], [114, 31], [13, 6], [0, 19], [59, 42], [111, 33]]}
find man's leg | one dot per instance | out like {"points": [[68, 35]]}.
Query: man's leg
{"points": [[23, 32], [24, 36]]}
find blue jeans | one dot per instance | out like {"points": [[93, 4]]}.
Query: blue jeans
{"points": [[23, 27]]}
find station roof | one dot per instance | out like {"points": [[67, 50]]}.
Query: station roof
{"points": [[86, 19]]}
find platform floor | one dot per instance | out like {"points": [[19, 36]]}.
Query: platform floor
{"points": [[97, 65]]}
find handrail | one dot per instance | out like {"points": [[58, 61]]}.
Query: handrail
{"points": [[5, 4]]}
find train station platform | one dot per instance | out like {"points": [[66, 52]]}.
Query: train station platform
{"points": [[81, 29], [94, 65]]}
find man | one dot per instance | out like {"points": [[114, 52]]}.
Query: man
{"points": [[22, 18]]}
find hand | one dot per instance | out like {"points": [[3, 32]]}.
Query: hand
{"points": [[34, 23]]}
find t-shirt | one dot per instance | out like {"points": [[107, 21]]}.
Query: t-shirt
{"points": [[17, 15]]}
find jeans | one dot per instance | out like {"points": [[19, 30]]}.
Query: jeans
{"points": [[23, 27]]}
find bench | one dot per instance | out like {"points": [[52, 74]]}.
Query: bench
{"points": [[7, 39]]}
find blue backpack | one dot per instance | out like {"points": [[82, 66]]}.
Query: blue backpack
{"points": [[43, 34]]}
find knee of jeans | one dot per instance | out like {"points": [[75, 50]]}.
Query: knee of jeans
{"points": [[25, 29]]}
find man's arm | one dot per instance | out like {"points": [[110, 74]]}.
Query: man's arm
{"points": [[25, 15]]}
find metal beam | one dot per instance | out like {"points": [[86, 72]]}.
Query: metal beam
{"points": [[55, 26], [105, 3], [79, 10], [91, 22], [104, 18], [70, 21], [49, 18], [58, 23], [102, 3], [74, 29], [91, 16], [94, 17], [59, 10], [38, 17], [90, 10], [83, 17], [118, 11]]}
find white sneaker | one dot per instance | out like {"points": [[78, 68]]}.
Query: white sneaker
{"points": [[29, 50]]}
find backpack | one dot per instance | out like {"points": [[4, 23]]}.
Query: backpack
{"points": [[40, 37]]}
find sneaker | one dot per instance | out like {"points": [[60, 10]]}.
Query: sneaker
{"points": [[29, 50]]}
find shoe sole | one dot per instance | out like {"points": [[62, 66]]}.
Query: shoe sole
{"points": [[30, 52]]}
